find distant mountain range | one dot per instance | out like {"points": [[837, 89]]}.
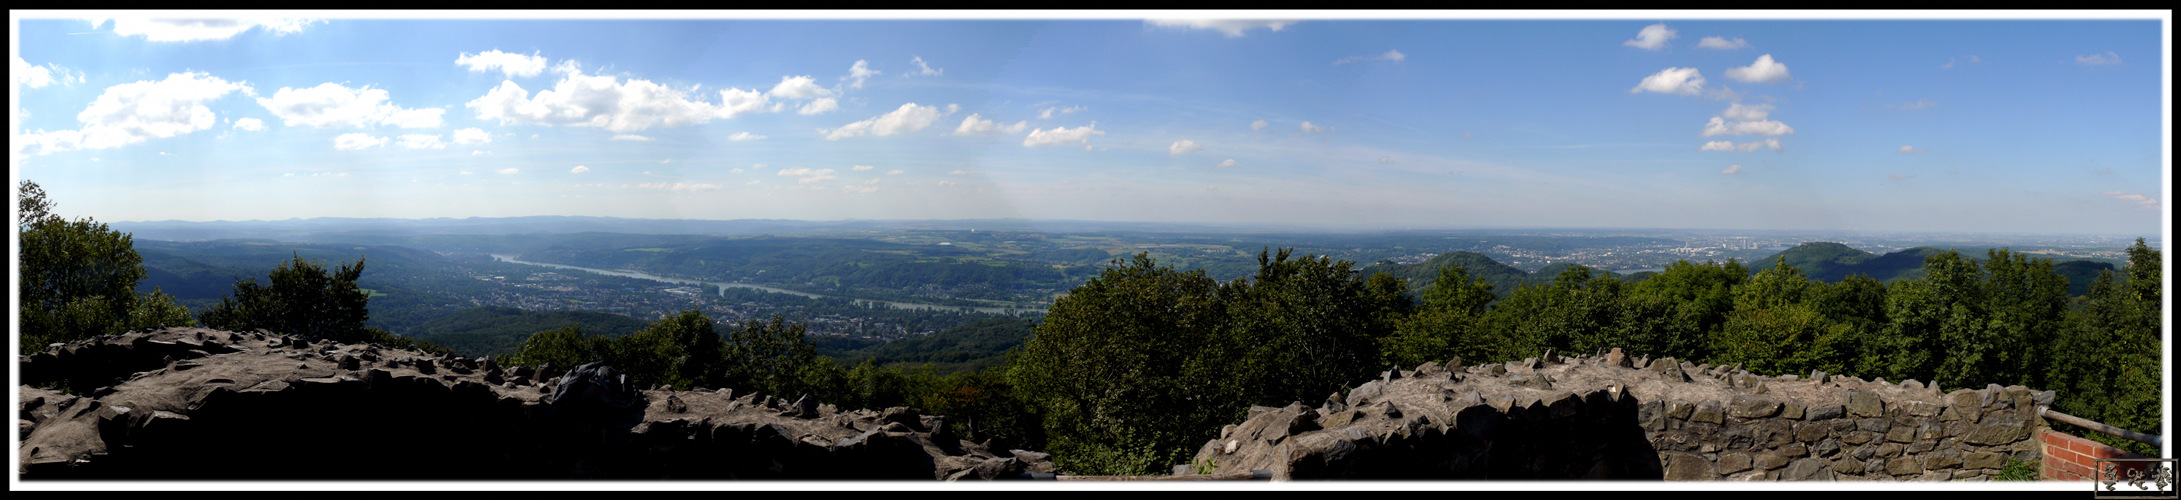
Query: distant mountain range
{"points": [[1832, 262], [1823, 261]]}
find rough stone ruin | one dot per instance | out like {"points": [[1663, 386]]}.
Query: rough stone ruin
{"points": [[1612, 417], [194, 403]]}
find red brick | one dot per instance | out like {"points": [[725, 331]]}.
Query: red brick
{"points": [[2053, 438], [2079, 469], [2079, 445]]}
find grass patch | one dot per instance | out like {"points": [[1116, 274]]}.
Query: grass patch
{"points": [[2017, 470]]}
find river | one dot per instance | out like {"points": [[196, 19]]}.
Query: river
{"points": [[897, 305]]}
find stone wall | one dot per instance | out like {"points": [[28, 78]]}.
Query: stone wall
{"points": [[1612, 417], [192, 403]]}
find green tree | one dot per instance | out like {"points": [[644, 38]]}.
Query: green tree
{"points": [[769, 357], [1303, 328], [1124, 369], [1694, 300], [77, 279], [1858, 304], [2105, 362], [563, 347], [1446, 325], [1774, 330], [681, 351], [303, 299]]}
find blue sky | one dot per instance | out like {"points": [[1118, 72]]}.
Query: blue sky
{"points": [[2019, 125]]}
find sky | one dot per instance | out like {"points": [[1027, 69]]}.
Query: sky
{"points": [[1978, 125]]}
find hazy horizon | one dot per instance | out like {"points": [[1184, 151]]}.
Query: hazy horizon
{"points": [[1978, 126]]}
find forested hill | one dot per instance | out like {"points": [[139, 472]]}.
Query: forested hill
{"points": [[488, 331], [1832, 262], [1504, 278]]}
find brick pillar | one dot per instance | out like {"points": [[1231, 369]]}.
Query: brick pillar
{"points": [[2070, 458]]}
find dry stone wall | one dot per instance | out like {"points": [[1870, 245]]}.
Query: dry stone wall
{"points": [[1612, 417], [192, 403]]}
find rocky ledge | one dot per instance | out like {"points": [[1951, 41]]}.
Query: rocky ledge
{"points": [[193, 403], [1613, 417]]}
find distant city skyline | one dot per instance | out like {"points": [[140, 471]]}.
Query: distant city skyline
{"points": [[2025, 125]]}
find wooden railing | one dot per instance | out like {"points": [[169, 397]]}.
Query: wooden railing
{"points": [[2155, 441]]}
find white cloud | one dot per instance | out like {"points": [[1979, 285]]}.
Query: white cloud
{"points": [[35, 76], [1732, 169], [1385, 159], [859, 189], [744, 136], [610, 103], [1686, 81], [871, 182], [1184, 146], [479, 152], [130, 113], [808, 175], [1738, 111], [471, 136], [974, 124], [357, 141], [1234, 28], [2098, 59], [820, 105], [958, 172], [579, 169], [1919, 104], [1713, 42], [509, 170], [334, 105], [924, 69], [1061, 135], [1048, 112], [858, 73], [948, 183], [192, 30], [510, 64], [1390, 55], [1228, 163], [908, 118], [895, 172], [1765, 70], [1909, 150], [1717, 146], [1652, 37], [1307, 127], [734, 170], [630, 137], [679, 186], [798, 87], [2140, 201], [421, 141], [1258, 125], [860, 168], [250, 124], [1720, 126], [330, 174], [1973, 59]]}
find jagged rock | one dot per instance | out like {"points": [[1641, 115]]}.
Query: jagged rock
{"points": [[594, 385], [248, 401]]}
